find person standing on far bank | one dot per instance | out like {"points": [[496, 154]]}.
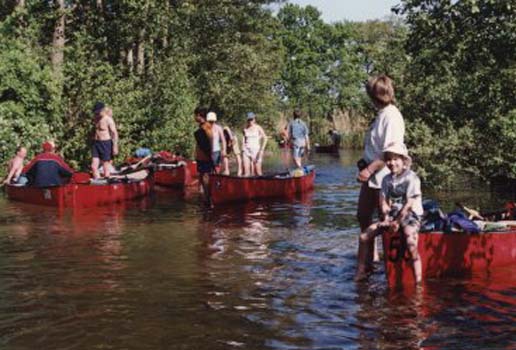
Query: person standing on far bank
{"points": [[388, 127]]}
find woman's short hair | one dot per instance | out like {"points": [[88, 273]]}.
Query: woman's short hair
{"points": [[381, 89]]}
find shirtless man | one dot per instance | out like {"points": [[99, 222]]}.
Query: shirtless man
{"points": [[105, 144], [15, 166]]}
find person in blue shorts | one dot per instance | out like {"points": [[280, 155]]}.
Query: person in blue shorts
{"points": [[298, 138], [105, 140]]}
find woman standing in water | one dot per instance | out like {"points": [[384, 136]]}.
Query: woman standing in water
{"points": [[388, 127]]}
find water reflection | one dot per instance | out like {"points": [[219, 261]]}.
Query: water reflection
{"points": [[166, 273]]}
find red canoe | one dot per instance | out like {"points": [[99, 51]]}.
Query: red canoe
{"points": [[182, 174], [232, 189], [454, 254], [327, 149], [81, 195]]}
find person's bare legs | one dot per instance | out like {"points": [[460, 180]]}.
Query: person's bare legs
{"points": [[247, 166], [106, 165], [239, 164], [367, 204], [364, 251], [225, 162], [258, 167], [95, 167], [411, 237], [297, 162]]}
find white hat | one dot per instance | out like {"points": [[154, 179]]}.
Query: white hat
{"points": [[397, 148], [211, 117]]}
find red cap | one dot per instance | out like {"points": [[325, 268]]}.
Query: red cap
{"points": [[47, 146]]}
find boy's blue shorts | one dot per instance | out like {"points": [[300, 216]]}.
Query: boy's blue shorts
{"points": [[102, 150]]}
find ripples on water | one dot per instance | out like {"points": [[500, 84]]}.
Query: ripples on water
{"points": [[164, 273]]}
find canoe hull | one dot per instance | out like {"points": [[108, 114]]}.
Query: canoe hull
{"points": [[225, 189], [457, 255], [80, 195], [182, 176]]}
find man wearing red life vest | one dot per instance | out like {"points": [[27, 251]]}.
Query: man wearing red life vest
{"points": [[47, 169]]}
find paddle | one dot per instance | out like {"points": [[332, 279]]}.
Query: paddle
{"points": [[134, 167], [472, 213]]}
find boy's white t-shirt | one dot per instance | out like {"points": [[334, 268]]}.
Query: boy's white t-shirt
{"points": [[387, 128], [397, 189]]}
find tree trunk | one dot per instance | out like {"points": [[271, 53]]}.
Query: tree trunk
{"points": [[130, 59], [140, 63], [150, 55], [58, 39]]}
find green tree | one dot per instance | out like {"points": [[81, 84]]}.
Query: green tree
{"points": [[460, 77]]}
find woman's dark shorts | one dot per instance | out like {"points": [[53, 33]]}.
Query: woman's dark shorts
{"points": [[204, 166], [102, 150]]}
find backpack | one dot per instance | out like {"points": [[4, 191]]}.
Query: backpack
{"points": [[433, 217]]}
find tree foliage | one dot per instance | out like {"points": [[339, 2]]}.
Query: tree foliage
{"points": [[461, 77], [152, 60]]}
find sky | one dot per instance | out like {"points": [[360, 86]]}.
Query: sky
{"points": [[352, 10]]}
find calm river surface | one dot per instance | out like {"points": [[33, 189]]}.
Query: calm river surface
{"points": [[166, 273]]}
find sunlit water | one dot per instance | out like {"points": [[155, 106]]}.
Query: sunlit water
{"points": [[166, 273]]}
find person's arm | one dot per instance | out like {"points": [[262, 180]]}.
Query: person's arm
{"points": [[384, 211], [224, 143], [64, 172], [114, 135], [264, 141], [12, 171], [369, 170]]}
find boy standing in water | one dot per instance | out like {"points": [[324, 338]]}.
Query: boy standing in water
{"points": [[401, 207]]}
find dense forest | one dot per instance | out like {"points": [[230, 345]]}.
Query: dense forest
{"points": [[154, 61]]}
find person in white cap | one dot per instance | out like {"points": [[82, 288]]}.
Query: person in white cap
{"points": [[218, 147], [401, 207]]}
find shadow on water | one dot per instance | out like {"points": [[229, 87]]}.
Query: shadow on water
{"points": [[167, 273]]}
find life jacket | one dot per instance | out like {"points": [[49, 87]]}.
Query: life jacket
{"points": [[433, 217]]}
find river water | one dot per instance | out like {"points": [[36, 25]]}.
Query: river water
{"points": [[167, 273]]}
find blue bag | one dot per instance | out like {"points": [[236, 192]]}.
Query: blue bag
{"points": [[433, 218], [142, 152], [459, 220]]}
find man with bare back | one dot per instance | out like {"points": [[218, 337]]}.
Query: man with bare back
{"points": [[105, 140]]}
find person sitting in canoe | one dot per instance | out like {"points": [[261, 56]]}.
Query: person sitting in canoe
{"points": [[203, 141], [233, 149], [218, 142], [47, 169], [105, 140], [401, 207], [253, 147], [298, 138], [15, 167]]}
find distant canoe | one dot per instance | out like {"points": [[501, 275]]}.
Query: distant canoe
{"points": [[327, 149], [225, 189], [177, 175], [453, 254], [84, 195]]}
